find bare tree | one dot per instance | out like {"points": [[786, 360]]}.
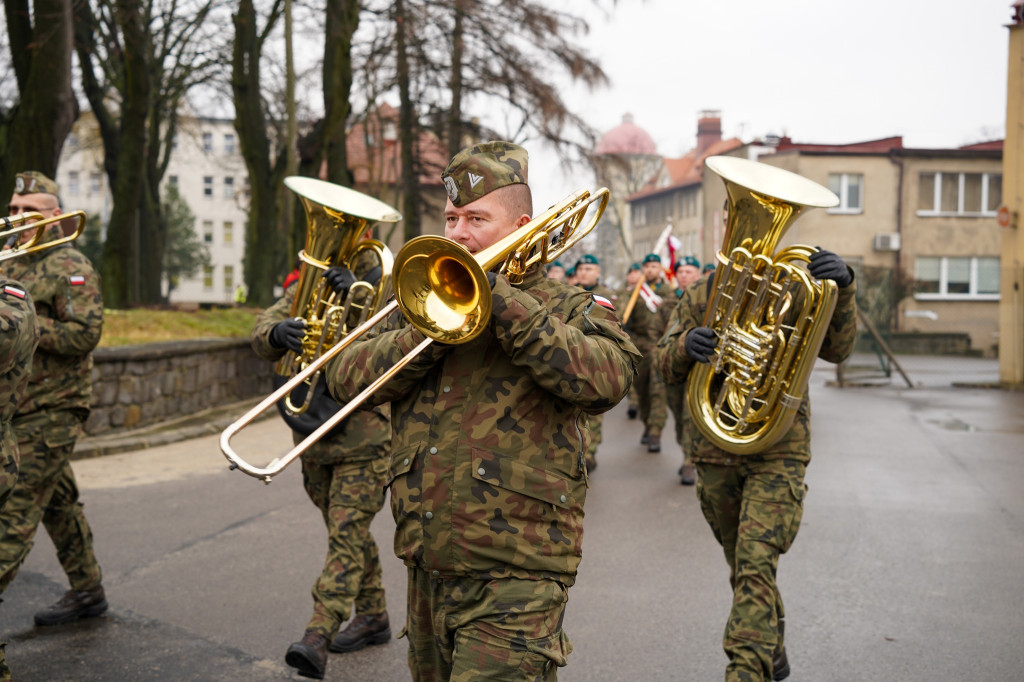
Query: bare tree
{"points": [[33, 128]]}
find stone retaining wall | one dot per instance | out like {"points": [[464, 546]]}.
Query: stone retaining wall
{"points": [[135, 386]]}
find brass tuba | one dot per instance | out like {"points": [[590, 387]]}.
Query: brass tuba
{"points": [[770, 315], [337, 218]]}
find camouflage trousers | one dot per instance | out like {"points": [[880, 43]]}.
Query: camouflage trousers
{"points": [[595, 421], [754, 510], [650, 394], [46, 491], [348, 495], [468, 629], [675, 395], [9, 460]]}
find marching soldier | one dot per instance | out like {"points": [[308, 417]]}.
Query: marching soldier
{"points": [[19, 335], [687, 271], [488, 479], [344, 475], [556, 271], [588, 276], [645, 328], [754, 502], [633, 277], [51, 415]]}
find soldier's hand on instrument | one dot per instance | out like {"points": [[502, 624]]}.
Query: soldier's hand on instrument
{"points": [[701, 343], [828, 265], [340, 279], [287, 335]]}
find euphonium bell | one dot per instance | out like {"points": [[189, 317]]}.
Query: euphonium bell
{"points": [[770, 315], [337, 219]]}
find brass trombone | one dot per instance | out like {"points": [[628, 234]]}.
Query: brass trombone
{"points": [[443, 292], [15, 225]]}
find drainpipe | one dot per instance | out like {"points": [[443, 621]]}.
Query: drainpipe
{"points": [[896, 159]]}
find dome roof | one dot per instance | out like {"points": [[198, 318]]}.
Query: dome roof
{"points": [[626, 138]]}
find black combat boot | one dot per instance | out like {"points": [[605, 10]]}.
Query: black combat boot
{"points": [[780, 661], [73, 605], [363, 630], [309, 657]]}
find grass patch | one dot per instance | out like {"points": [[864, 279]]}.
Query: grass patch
{"points": [[142, 325]]}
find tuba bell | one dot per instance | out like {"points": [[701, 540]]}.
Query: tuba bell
{"points": [[337, 219], [769, 314]]}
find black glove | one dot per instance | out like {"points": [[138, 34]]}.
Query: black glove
{"points": [[340, 279], [287, 335], [492, 278], [701, 343], [827, 265]]}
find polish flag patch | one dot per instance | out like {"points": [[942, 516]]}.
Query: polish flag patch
{"points": [[14, 291], [76, 280], [604, 301]]}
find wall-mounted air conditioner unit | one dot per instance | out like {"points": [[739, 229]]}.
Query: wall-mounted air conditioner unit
{"points": [[887, 241]]}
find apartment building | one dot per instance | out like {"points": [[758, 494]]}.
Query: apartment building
{"points": [[207, 168]]}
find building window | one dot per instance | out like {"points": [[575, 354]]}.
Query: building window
{"points": [[966, 194], [229, 187], [229, 278], [95, 182], [208, 142], [849, 188], [229, 143], [172, 180], [208, 186], [975, 277], [208, 277], [229, 232], [208, 231], [73, 183]]}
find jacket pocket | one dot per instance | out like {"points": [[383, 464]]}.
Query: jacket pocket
{"points": [[520, 477]]}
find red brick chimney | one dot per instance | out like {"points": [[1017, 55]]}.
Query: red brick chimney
{"points": [[709, 130]]}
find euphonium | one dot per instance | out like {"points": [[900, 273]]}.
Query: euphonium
{"points": [[337, 219], [770, 315]]}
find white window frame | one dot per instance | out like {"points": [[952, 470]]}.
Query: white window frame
{"points": [[208, 143], [229, 187], [207, 186], [936, 209], [943, 294], [844, 194], [73, 186]]}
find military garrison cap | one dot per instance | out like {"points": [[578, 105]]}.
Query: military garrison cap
{"points": [[483, 168], [687, 260], [587, 259], [34, 182], [652, 258]]}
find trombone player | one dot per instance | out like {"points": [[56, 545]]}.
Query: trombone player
{"points": [[487, 472], [344, 475], [51, 415]]}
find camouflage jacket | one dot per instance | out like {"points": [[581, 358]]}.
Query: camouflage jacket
{"points": [[645, 327], [675, 366], [19, 335], [487, 470], [367, 433], [69, 310]]}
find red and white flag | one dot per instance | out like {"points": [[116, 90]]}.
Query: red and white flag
{"points": [[651, 299]]}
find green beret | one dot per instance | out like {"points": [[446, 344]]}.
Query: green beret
{"points": [[710, 267], [34, 182], [570, 272], [587, 259], [483, 168], [635, 266], [556, 264], [688, 260], [652, 258]]}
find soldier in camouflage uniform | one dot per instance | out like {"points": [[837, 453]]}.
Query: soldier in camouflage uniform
{"points": [[633, 276], [588, 278], [344, 475], [645, 328], [687, 271], [53, 410], [487, 475], [754, 502], [19, 335]]}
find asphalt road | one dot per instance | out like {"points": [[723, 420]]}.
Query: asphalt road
{"points": [[907, 566]]}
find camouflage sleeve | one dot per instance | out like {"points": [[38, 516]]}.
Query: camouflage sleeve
{"points": [[374, 353], [19, 331], [587, 360], [259, 337], [842, 329], [670, 354], [73, 286]]}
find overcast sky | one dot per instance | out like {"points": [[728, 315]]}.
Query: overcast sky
{"points": [[933, 71]]}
